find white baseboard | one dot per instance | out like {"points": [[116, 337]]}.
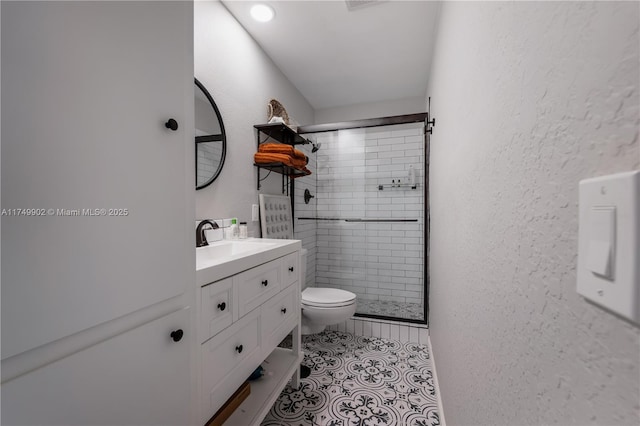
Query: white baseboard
{"points": [[437, 385]]}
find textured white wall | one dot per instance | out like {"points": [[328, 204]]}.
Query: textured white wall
{"points": [[529, 98], [241, 79]]}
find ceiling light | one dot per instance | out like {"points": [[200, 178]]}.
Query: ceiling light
{"points": [[262, 13]]}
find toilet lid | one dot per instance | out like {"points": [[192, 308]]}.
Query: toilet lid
{"points": [[327, 297]]}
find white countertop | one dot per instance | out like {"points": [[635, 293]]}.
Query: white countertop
{"points": [[225, 258]]}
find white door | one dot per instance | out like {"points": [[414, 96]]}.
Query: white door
{"points": [[86, 90]]}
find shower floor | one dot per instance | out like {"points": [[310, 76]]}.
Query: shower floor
{"points": [[403, 310]]}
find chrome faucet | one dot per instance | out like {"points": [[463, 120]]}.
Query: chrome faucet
{"points": [[201, 240]]}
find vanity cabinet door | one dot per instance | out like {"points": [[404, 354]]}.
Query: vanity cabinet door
{"points": [[136, 378], [291, 269], [217, 308], [87, 88], [278, 317], [227, 361]]}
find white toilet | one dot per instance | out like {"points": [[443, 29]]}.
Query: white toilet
{"points": [[323, 306], [320, 306]]}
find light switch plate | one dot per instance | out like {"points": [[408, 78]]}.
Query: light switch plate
{"points": [[609, 243]]}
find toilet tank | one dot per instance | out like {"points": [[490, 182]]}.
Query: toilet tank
{"points": [[303, 268]]}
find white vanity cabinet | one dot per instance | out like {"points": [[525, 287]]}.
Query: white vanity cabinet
{"points": [[243, 317]]}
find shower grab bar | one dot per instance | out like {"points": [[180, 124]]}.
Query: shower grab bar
{"points": [[358, 220], [381, 220]]}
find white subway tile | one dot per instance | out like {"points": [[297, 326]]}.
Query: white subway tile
{"points": [[404, 333], [379, 291], [417, 155], [385, 331], [403, 160], [414, 335], [423, 336], [358, 328], [407, 294], [350, 326], [391, 168], [408, 132], [394, 331], [392, 299], [392, 286], [414, 288], [375, 329], [367, 328], [368, 296]]}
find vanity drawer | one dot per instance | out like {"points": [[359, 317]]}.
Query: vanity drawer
{"points": [[227, 360], [277, 317], [290, 269], [216, 308], [257, 285]]}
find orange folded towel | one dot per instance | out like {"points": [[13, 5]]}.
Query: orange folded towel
{"points": [[307, 171], [279, 148], [268, 157]]}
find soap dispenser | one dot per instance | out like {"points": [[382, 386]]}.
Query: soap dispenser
{"points": [[235, 232]]}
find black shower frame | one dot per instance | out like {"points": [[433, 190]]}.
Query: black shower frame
{"points": [[422, 117]]}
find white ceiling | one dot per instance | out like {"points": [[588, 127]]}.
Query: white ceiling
{"points": [[338, 57]]}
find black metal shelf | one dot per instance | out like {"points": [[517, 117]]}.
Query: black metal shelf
{"points": [[282, 133], [286, 135], [282, 169]]}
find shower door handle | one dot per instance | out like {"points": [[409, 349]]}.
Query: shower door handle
{"points": [[381, 220]]}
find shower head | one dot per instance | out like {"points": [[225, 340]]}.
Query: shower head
{"points": [[315, 147]]}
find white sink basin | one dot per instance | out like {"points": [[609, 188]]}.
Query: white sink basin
{"points": [[223, 249]]}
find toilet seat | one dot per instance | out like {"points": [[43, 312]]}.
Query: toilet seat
{"points": [[327, 297]]}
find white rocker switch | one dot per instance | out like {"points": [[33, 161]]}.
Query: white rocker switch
{"points": [[608, 272], [602, 232]]}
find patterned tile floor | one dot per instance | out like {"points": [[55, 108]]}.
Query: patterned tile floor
{"points": [[358, 380], [390, 309]]}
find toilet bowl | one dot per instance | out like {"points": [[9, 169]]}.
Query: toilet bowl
{"points": [[323, 306]]}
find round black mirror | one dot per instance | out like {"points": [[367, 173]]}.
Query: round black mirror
{"points": [[211, 141]]}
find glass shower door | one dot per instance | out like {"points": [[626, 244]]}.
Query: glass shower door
{"points": [[370, 211]]}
